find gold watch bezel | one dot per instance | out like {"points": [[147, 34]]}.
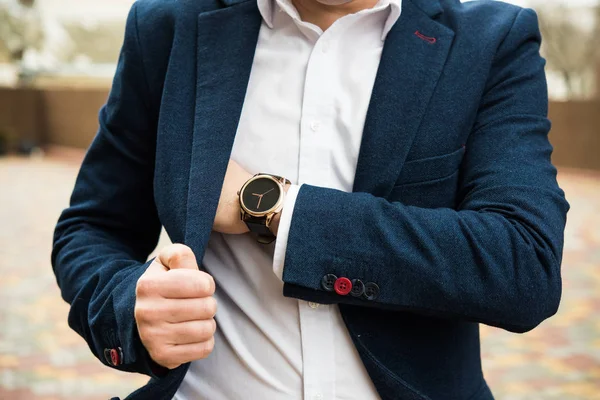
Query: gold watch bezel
{"points": [[273, 210]]}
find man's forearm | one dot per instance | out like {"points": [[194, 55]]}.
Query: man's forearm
{"points": [[475, 264]]}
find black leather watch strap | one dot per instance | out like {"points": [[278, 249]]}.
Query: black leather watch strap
{"points": [[259, 228]]}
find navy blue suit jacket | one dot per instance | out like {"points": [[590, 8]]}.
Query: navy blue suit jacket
{"points": [[456, 213]]}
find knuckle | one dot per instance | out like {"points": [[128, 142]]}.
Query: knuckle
{"points": [[209, 307], [176, 252], [145, 286], [172, 365], [205, 285], [175, 258], [149, 314], [157, 356], [180, 248], [207, 348], [147, 338], [212, 306], [161, 356], [207, 329], [210, 345], [211, 285], [139, 313], [198, 285], [165, 358]]}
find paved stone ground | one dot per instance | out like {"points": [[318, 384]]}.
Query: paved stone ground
{"points": [[42, 359]]}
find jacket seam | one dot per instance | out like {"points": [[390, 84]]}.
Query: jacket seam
{"points": [[138, 44], [512, 25], [435, 158], [386, 370], [434, 180], [478, 391]]}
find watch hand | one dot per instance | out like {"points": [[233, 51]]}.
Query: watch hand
{"points": [[260, 196], [268, 191]]}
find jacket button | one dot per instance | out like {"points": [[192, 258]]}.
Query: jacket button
{"points": [[371, 291], [114, 356], [358, 288], [342, 286], [328, 282]]}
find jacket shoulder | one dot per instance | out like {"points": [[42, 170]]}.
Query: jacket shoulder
{"points": [[480, 8], [483, 26], [166, 14], [486, 17]]}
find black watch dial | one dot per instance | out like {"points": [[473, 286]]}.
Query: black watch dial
{"points": [[261, 195]]}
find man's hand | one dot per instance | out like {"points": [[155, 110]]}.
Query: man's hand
{"points": [[174, 308], [227, 219]]}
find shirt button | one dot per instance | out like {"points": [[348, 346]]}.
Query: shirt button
{"points": [[313, 305], [317, 396], [315, 125]]}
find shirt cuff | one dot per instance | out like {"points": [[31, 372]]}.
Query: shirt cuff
{"points": [[284, 229]]}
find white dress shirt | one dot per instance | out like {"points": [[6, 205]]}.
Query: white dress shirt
{"points": [[302, 118]]}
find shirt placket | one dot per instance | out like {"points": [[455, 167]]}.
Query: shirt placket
{"points": [[316, 121], [316, 321]]}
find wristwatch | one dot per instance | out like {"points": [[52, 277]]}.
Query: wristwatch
{"points": [[261, 198]]}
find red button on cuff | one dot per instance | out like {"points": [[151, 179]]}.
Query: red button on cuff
{"points": [[342, 286], [115, 357]]}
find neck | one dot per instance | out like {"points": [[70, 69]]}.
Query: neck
{"points": [[324, 15]]}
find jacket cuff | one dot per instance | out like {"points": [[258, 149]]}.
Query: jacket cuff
{"points": [[135, 357]]}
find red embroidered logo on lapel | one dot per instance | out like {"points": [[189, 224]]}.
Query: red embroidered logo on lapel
{"points": [[428, 39]]}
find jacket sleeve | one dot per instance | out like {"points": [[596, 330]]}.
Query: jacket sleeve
{"points": [[495, 259], [103, 239]]}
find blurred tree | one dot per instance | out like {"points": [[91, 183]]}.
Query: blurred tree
{"points": [[570, 45], [20, 27]]}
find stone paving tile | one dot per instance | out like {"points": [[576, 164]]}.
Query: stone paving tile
{"points": [[42, 359]]}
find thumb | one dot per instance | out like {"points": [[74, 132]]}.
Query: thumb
{"points": [[178, 256]]}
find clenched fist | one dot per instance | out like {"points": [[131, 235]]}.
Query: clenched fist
{"points": [[175, 308]]}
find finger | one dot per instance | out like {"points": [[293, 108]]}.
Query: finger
{"points": [[191, 332], [186, 284], [173, 311], [178, 256], [183, 310], [184, 353]]}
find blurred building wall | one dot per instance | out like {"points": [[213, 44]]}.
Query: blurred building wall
{"points": [[575, 133], [68, 117], [65, 113]]}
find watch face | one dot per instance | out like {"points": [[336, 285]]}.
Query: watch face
{"points": [[261, 195]]}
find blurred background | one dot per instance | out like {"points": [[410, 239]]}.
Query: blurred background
{"points": [[57, 58]]}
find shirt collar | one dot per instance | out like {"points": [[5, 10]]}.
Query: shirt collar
{"points": [[268, 7]]}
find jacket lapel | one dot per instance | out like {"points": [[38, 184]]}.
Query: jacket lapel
{"points": [[226, 43], [413, 58]]}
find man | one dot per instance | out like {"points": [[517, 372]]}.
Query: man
{"points": [[405, 194]]}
